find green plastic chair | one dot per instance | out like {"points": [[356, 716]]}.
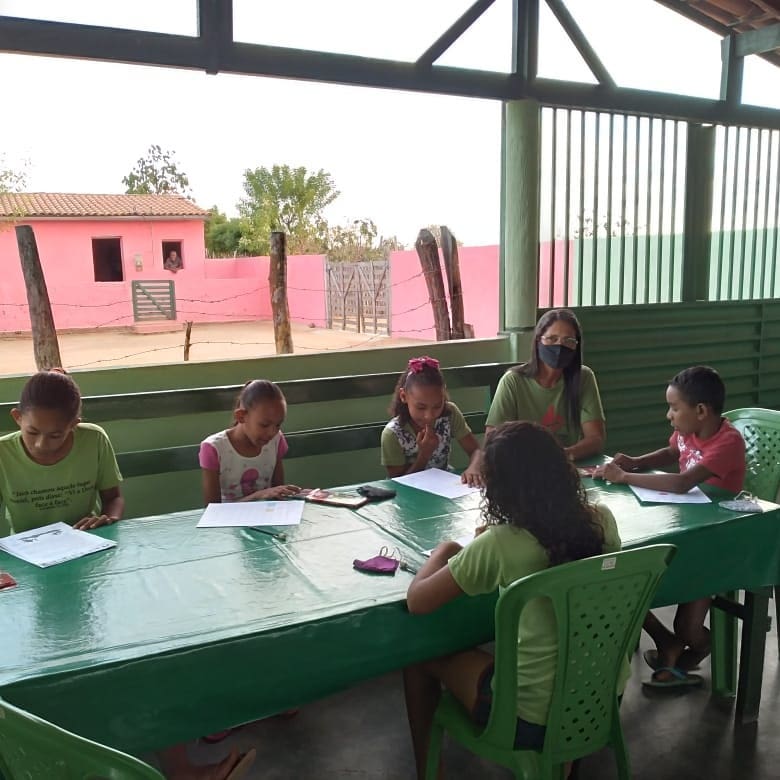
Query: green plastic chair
{"points": [[760, 428], [31, 747], [599, 604]]}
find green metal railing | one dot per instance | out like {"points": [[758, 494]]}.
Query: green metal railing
{"points": [[745, 214], [613, 199], [612, 208]]}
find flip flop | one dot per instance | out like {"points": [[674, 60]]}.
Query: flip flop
{"points": [[680, 679], [651, 659], [242, 766]]}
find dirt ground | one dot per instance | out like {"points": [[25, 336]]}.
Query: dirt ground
{"points": [[209, 341]]}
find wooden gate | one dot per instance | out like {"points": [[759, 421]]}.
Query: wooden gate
{"points": [[358, 296], [153, 300]]}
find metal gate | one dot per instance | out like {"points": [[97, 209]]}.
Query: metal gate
{"points": [[358, 296], [154, 300]]}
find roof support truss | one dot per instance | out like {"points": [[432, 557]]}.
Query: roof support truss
{"points": [[215, 51]]}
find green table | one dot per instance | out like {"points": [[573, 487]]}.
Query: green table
{"points": [[182, 631]]}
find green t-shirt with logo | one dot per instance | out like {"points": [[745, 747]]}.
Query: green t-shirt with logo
{"points": [[495, 559], [33, 495], [520, 397]]}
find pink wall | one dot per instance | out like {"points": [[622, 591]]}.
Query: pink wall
{"points": [[206, 290], [223, 290], [412, 316]]}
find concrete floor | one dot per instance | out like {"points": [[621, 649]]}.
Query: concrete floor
{"points": [[362, 734]]}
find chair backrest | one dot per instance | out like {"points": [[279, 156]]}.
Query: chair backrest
{"points": [[31, 747], [599, 605], [760, 428]]}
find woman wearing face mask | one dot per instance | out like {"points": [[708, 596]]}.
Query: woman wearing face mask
{"points": [[554, 389]]}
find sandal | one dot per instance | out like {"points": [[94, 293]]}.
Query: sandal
{"points": [[218, 736], [242, 766], [652, 660], [679, 679]]}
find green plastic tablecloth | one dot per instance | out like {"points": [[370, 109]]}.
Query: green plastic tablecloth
{"points": [[181, 631]]}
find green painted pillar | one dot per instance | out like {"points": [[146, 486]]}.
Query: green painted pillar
{"points": [[521, 128], [699, 172]]}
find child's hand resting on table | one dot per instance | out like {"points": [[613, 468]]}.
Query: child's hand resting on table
{"points": [[94, 521], [611, 472], [278, 491]]}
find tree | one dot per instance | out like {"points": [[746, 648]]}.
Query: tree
{"points": [[288, 199], [222, 234], [157, 174], [358, 241], [11, 180]]}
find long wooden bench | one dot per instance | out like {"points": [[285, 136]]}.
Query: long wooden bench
{"points": [[303, 443]]}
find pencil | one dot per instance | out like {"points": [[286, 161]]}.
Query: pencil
{"points": [[281, 537]]}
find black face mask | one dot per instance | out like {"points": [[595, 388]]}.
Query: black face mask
{"points": [[556, 355]]}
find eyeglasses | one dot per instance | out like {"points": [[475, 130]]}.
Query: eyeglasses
{"points": [[567, 341]]}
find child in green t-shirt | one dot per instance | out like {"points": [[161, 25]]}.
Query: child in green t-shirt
{"points": [[425, 423], [536, 515], [55, 467]]}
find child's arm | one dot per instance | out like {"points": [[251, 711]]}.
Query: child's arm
{"points": [[473, 474], [591, 443], [427, 441], [112, 507], [433, 586], [278, 488], [672, 483], [212, 494]]}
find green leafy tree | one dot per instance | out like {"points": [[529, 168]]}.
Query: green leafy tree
{"points": [[11, 180], [222, 234], [288, 199], [358, 241], [157, 174]]}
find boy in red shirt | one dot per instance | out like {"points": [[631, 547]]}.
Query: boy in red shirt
{"points": [[707, 448]]}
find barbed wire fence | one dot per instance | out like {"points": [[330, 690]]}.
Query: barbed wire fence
{"points": [[188, 307]]}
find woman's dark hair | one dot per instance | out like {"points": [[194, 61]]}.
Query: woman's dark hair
{"points": [[256, 391], [421, 372], [531, 484], [572, 374], [52, 389]]}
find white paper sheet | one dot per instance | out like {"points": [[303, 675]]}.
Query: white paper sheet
{"points": [[693, 496], [463, 541], [437, 481], [52, 544], [245, 514]]}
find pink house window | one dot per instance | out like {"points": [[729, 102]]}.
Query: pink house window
{"points": [[107, 259], [172, 257]]}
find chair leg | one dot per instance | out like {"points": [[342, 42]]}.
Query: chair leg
{"points": [[723, 638], [621, 752], [434, 752], [751, 661], [777, 616]]}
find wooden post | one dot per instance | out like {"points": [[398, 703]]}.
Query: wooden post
{"points": [[428, 253], [45, 345], [449, 248], [187, 332], [277, 281]]}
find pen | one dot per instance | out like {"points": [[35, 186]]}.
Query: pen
{"points": [[281, 537], [406, 567]]}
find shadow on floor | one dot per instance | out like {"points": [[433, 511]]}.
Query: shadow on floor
{"points": [[362, 733]]}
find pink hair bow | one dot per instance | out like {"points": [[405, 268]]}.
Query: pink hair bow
{"points": [[418, 364]]}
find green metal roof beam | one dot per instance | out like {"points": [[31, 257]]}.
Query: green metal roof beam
{"points": [[525, 39], [587, 52], [759, 41], [732, 69], [34, 36], [454, 32]]}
